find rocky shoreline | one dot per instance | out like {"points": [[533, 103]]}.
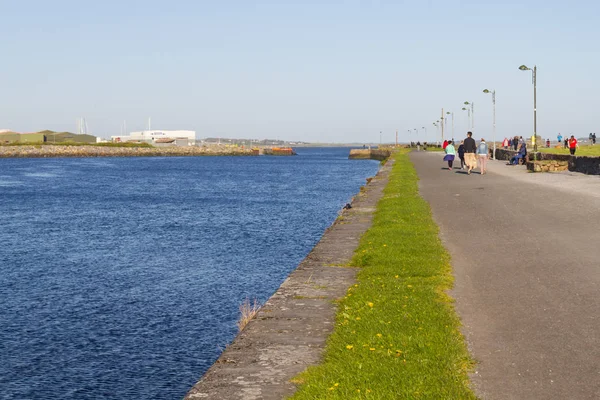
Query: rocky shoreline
{"points": [[37, 151]]}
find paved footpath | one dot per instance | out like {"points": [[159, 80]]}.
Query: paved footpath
{"points": [[526, 257]]}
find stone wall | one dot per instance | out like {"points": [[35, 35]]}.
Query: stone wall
{"points": [[585, 165]]}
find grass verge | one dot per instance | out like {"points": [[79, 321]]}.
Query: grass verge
{"points": [[397, 335], [584, 150]]}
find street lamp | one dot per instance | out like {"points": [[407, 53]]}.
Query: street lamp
{"points": [[451, 113], [493, 92], [534, 71], [425, 132], [468, 117], [466, 103]]}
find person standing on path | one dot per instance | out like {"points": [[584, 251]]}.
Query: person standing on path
{"points": [[505, 143], [461, 154], [470, 150], [450, 154], [559, 137], [482, 151], [572, 145]]}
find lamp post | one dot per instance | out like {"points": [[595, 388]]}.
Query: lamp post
{"points": [[452, 114], [493, 92], [468, 110], [437, 130], [425, 132], [534, 72], [466, 103]]}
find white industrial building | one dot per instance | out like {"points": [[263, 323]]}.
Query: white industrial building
{"points": [[163, 137]]}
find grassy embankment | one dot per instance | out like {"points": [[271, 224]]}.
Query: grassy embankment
{"points": [[397, 335], [587, 150]]}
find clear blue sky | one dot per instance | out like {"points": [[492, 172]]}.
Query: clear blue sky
{"points": [[299, 70]]}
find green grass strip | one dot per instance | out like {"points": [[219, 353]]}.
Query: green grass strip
{"points": [[583, 150], [397, 335]]}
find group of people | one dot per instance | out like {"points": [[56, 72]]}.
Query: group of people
{"points": [[518, 144], [514, 142], [469, 153], [571, 143]]}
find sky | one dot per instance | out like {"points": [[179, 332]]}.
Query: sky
{"points": [[317, 71]]}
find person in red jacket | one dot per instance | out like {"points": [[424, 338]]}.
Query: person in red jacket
{"points": [[572, 145], [444, 144]]}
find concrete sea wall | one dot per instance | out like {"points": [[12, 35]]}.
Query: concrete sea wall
{"points": [[379, 155], [290, 331]]}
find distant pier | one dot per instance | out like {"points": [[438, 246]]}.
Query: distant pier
{"points": [[369, 154]]}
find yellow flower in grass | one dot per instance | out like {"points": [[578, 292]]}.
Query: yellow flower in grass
{"points": [[409, 286], [372, 348], [349, 346], [379, 335], [370, 304], [358, 318]]}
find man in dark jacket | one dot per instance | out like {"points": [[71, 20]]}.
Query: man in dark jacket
{"points": [[470, 150], [461, 154]]}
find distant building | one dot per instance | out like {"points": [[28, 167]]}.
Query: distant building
{"points": [[181, 138]]}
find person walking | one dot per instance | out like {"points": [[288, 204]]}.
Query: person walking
{"points": [[505, 143], [470, 150], [515, 143], [593, 138], [450, 154], [572, 145], [461, 154], [559, 137], [482, 151]]}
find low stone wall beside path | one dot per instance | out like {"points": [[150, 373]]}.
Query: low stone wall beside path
{"points": [[582, 164]]}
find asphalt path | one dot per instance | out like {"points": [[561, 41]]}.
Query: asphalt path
{"points": [[526, 258]]}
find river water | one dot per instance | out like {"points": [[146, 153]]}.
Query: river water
{"points": [[121, 278]]}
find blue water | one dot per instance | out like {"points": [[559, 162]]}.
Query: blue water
{"points": [[122, 277]]}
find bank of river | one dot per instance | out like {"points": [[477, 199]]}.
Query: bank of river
{"points": [[45, 151], [290, 331]]}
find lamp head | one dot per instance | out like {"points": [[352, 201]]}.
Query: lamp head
{"points": [[448, 112], [464, 108], [486, 91], [466, 102], [524, 68]]}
